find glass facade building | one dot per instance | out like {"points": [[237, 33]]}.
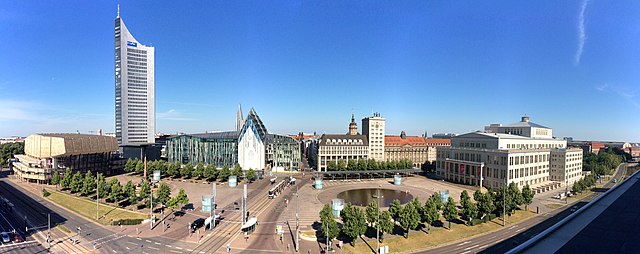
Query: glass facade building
{"points": [[219, 148]]}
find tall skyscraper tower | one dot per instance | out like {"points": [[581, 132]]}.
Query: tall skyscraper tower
{"points": [[373, 128], [135, 88]]}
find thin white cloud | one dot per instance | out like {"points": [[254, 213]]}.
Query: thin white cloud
{"points": [[582, 35], [602, 87], [173, 115]]}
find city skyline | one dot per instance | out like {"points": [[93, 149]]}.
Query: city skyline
{"points": [[431, 67]]}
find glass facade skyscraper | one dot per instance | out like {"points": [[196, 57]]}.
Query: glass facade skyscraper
{"points": [[134, 88]]}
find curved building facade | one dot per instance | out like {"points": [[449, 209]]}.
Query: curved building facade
{"points": [[135, 88]]}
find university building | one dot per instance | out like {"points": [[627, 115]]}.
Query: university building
{"points": [[345, 147], [519, 153], [134, 88], [250, 145]]}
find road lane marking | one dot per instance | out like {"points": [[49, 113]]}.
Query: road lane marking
{"points": [[178, 248], [175, 251], [153, 248], [471, 247], [132, 243], [463, 243], [147, 241], [189, 250], [158, 243]]}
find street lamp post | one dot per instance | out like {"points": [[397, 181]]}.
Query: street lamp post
{"points": [[566, 189], [97, 194], [378, 220]]}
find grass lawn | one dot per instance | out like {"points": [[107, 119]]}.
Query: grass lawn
{"points": [[87, 208], [420, 240], [553, 206]]}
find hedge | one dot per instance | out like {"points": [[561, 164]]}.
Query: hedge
{"points": [[126, 222]]}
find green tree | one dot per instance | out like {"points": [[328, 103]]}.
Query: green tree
{"points": [[514, 197], [65, 183], [224, 174], [471, 211], [162, 166], [409, 217], [395, 209], [163, 193], [115, 190], [386, 225], [103, 188], [129, 191], [145, 189], [198, 173], [76, 182], [352, 165], [187, 170], [210, 172], [372, 213], [173, 169], [251, 175], [435, 197], [139, 167], [8, 150], [329, 227], [130, 166], [178, 200], [55, 177], [237, 170], [342, 166], [502, 200], [464, 198], [332, 166], [450, 211], [355, 224], [430, 213], [89, 184], [362, 164], [372, 165], [527, 196]]}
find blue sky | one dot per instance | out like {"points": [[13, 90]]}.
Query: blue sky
{"points": [[435, 66]]}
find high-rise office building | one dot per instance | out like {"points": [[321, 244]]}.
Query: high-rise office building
{"points": [[373, 128], [135, 88]]}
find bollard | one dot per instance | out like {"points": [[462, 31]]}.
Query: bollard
{"points": [[537, 209]]}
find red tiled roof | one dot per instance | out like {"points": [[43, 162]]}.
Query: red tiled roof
{"points": [[409, 140], [597, 145]]}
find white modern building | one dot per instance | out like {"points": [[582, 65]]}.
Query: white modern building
{"points": [[566, 165], [500, 157], [135, 88], [252, 143], [373, 129]]}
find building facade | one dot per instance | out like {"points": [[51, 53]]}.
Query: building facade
{"points": [[252, 147], [134, 88], [48, 154], [341, 147], [566, 165], [218, 149], [373, 128], [283, 152], [500, 158]]}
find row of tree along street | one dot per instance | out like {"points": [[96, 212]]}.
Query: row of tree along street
{"points": [[175, 170], [415, 215], [137, 195], [604, 161], [370, 164]]}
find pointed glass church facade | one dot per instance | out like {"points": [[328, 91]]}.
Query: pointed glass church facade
{"points": [[250, 145]]}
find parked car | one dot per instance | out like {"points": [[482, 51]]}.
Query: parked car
{"points": [[196, 224], [5, 237], [17, 238]]}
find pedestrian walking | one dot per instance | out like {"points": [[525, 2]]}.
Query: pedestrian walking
{"points": [[288, 246]]}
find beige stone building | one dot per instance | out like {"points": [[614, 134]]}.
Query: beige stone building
{"points": [[373, 128], [46, 154], [566, 165], [341, 147], [418, 149]]}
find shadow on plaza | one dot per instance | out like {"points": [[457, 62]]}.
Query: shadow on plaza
{"points": [[26, 205]]}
